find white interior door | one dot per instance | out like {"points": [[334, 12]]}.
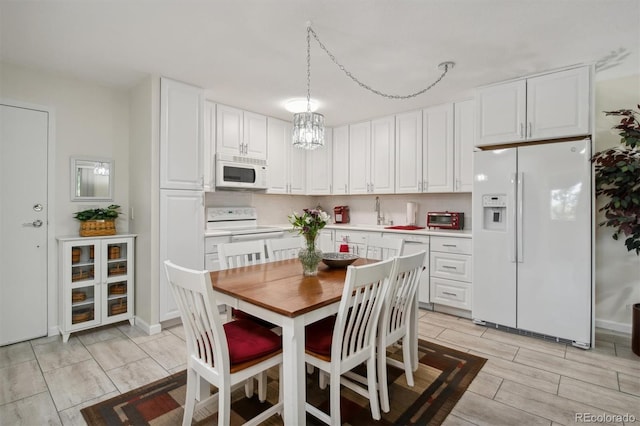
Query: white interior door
{"points": [[23, 223]]}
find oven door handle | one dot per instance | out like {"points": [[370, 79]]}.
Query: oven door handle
{"points": [[258, 236]]}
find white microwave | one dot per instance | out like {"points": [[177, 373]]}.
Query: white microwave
{"points": [[238, 172]]}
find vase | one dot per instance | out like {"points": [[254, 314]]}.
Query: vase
{"points": [[310, 256]]}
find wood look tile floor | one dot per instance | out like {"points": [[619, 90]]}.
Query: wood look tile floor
{"points": [[526, 381]]}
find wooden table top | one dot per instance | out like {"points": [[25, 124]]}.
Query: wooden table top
{"points": [[281, 287]]}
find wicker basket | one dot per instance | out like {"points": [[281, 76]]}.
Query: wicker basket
{"points": [[118, 308], [97, 228]]}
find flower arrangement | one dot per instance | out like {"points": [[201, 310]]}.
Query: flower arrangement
{"points": [[309, 223]]}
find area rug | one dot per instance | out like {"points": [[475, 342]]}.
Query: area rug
{"points": [[442, 377]]}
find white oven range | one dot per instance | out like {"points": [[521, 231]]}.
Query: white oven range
{"points": [[231, 224]]}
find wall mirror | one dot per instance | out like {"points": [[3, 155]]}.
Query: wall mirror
{"points": [[91, 179]]}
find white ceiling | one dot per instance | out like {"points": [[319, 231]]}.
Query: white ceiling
{"points": [[252, 53]]}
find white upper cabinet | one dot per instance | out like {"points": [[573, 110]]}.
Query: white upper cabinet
{"points": [[372, 157], [409, 152], [554, 105], [209, 146], [286, 172], [463, 143], [437, 150], [319, 167], [241, 132], [340, 155], [181, 135]]}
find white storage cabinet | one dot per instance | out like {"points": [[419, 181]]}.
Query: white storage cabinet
{"points": [[96, 277], [356, 240], [451, 272], [241, 132], [548, 106], [319, 167], [286, 173], [372, 157], [340, 172]]}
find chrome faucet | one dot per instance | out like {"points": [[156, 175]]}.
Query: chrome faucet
{"points": [[379, 218]]}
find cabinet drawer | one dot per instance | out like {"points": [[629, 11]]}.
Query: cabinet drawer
{"points": [[451, 293], [451, 245], [211, 243], [451, 266], [211, 262]]}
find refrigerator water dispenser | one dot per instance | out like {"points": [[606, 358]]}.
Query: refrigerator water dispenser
{"points": [[494, 208]]}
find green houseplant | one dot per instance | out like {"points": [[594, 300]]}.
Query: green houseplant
{"points": [[617, 177], [98, 222]]}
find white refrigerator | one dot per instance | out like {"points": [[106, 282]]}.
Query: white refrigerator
{"points": [[532, 239]]}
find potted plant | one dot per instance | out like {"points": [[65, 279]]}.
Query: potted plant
{"points": [[617, 176], [98, 222]]}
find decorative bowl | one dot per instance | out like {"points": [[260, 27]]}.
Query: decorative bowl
{"points": [[338, 260]]}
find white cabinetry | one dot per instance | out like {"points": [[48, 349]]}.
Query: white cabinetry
{"points": [[181, 236], [181, 135], [241, 132], [286, 173], [209, 146], [340, 154], [414, 244], [319, 167], [355, 240], [372, 157], [553, 105], [96, 277], [325, 241], [437, 154], [463, 143], [211, 257], [409, 152], [450, 272]]}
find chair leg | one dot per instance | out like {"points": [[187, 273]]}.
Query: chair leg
{"points": [[224, 406], [334, 398], [190, 398], [262, 386], [248, 388], [382, 377], [371, 384], [407, 358], [323, 379]]}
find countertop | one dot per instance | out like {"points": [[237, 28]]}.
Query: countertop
{"points": [[465, 233]]}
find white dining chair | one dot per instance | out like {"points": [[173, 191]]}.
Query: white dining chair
{"points": [[225, 355], [395, 319], [339, 343], [383, 248], [241, 253], [283, 248]]}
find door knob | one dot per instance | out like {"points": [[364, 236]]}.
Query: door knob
{"points": [[37, 207]]}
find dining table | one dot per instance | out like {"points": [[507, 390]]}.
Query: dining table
{"points": [[279, 293]]}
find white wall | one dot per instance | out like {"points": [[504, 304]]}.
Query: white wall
{"points": [[617, 270]]}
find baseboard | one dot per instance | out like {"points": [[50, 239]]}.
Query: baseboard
{"points": [[620, 327], [149, 329], [53, 331]]}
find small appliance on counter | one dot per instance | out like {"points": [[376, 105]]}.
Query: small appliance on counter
{"points": [[412, 213], [445, 220], [341, 214]]}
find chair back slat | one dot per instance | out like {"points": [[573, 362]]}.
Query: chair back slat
{"points": [[284, 248], [242, 253], [382, 248], [404, 281], [359, 311], [199, 313]]}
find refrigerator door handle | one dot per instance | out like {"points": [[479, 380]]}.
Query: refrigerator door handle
{"points": [[511, 225], [519, 222]]}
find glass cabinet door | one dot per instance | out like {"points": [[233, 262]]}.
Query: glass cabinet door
{"points": [[117, 279], [85, 289]]}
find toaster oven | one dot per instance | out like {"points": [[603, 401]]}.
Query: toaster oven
{"points": [[445, 220]]}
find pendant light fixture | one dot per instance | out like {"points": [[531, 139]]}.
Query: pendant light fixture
{"points": [[308, 127]]}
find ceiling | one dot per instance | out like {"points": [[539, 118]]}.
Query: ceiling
{"points": [[252, 53]]}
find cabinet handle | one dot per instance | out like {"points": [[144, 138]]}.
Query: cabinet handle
{"points": [[345, 188], [448, 267], [419, 186], [449, 245], [530, 130], [521, 130], [425, 186], [446, 293]]}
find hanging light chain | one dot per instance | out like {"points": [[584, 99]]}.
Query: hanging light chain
{"points": [[445, 66], [309, 68]]}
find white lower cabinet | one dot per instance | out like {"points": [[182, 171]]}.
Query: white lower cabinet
{"points": [[96, 278], [414, 244], [356, 241], [450, 272], [211, 258]]}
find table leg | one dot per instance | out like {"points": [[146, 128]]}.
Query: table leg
{"points": [[293, 371]]}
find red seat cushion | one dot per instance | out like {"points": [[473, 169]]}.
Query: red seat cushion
{"points": [[247, 341], [318, 335]]}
